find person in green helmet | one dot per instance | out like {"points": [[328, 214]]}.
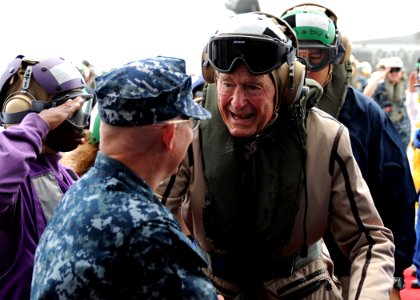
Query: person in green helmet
{"points": [[375, 142]]}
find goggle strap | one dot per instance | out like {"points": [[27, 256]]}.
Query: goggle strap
{"points": [[340, 53], [38, 106], [291, 77], [13, 118], [291, 56]]}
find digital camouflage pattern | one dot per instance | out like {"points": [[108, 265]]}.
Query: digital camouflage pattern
{"points": [[147, 91], [111, 238]]}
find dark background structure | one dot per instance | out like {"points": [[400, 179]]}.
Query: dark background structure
{"points": [[405, 47]]}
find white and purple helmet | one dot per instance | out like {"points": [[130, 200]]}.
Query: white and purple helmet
{"points": [[34, 85]]}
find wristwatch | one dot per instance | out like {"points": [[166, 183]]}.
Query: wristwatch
{"points": [[399, 283]]}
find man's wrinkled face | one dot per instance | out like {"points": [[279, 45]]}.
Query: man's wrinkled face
{"points": [[245, 101]]}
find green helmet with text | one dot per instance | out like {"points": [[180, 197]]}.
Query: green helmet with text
{"points": [[319, 40]]}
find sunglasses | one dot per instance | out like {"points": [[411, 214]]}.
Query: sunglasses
{"points": [[394, 70], [194, 123], [317, 58], [261, 55]]}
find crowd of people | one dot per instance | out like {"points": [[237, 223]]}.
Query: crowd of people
{"points": [[280, 173], [376, 144]]}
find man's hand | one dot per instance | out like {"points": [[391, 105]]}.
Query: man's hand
{"points": [[56, 115], [380, 75], [412, 80], [395, 294]]}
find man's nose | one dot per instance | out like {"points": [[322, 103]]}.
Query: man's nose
{"points": [[239, 98]]}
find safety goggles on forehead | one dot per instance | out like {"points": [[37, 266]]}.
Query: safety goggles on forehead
{"points": [[318, 57], [259, 54]]}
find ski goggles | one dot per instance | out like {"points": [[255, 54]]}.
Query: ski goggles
{"points": [[318, 57], [80, 118], [261, 55]]}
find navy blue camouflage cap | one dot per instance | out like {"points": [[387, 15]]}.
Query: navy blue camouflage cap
{"points": [[147, 91]]}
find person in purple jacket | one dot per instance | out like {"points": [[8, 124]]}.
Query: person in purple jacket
{"points": [[44, 112]]}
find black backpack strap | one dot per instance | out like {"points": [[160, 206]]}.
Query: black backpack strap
{"points": [[334, 148], [72, 174]]}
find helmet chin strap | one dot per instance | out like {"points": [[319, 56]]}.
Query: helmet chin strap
{"points": [[276, 103], [47, 150], [329, 76]]}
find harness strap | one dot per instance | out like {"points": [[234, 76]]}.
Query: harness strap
{"points": [[232, 268]]}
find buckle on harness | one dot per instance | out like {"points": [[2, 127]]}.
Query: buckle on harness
{"points": [[273, 268], [232, 268], [235, 268]]}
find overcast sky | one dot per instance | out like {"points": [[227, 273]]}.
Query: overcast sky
{"points": [[110, 33]]}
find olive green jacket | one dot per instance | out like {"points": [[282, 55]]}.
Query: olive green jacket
{"points": [[337, 196]]}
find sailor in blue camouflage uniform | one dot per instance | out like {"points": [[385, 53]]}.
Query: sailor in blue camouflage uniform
{"points": [[110, 237]]}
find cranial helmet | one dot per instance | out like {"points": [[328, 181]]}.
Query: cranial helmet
{"points": [[316, 27], [265, 44], [29, 85], [394, 62], [382, 63]]}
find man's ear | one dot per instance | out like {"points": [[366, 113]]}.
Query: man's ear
{"points": [[168, 136]]}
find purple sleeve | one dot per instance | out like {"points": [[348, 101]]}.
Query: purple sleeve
{"points": [[19, 146]]}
